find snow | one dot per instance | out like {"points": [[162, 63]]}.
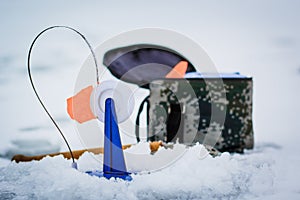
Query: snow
{"points": [[191, 177], [260, 39]]}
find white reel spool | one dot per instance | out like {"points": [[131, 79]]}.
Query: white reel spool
{"points": [[119, 92]]}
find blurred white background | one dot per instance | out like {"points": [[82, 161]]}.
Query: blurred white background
{"points": [[256, 38]]}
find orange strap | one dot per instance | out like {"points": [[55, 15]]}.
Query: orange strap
{"points": [[178, 71]]}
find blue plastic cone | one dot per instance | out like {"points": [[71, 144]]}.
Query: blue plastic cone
{"points": [[114, 163]]}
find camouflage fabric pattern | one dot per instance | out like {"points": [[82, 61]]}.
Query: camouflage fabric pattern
{"points": [[213, 111]]}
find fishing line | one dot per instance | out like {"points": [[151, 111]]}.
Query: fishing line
{"points": [[33, 86]]}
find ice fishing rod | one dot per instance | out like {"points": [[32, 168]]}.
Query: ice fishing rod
{"points": [[33, 86]]}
